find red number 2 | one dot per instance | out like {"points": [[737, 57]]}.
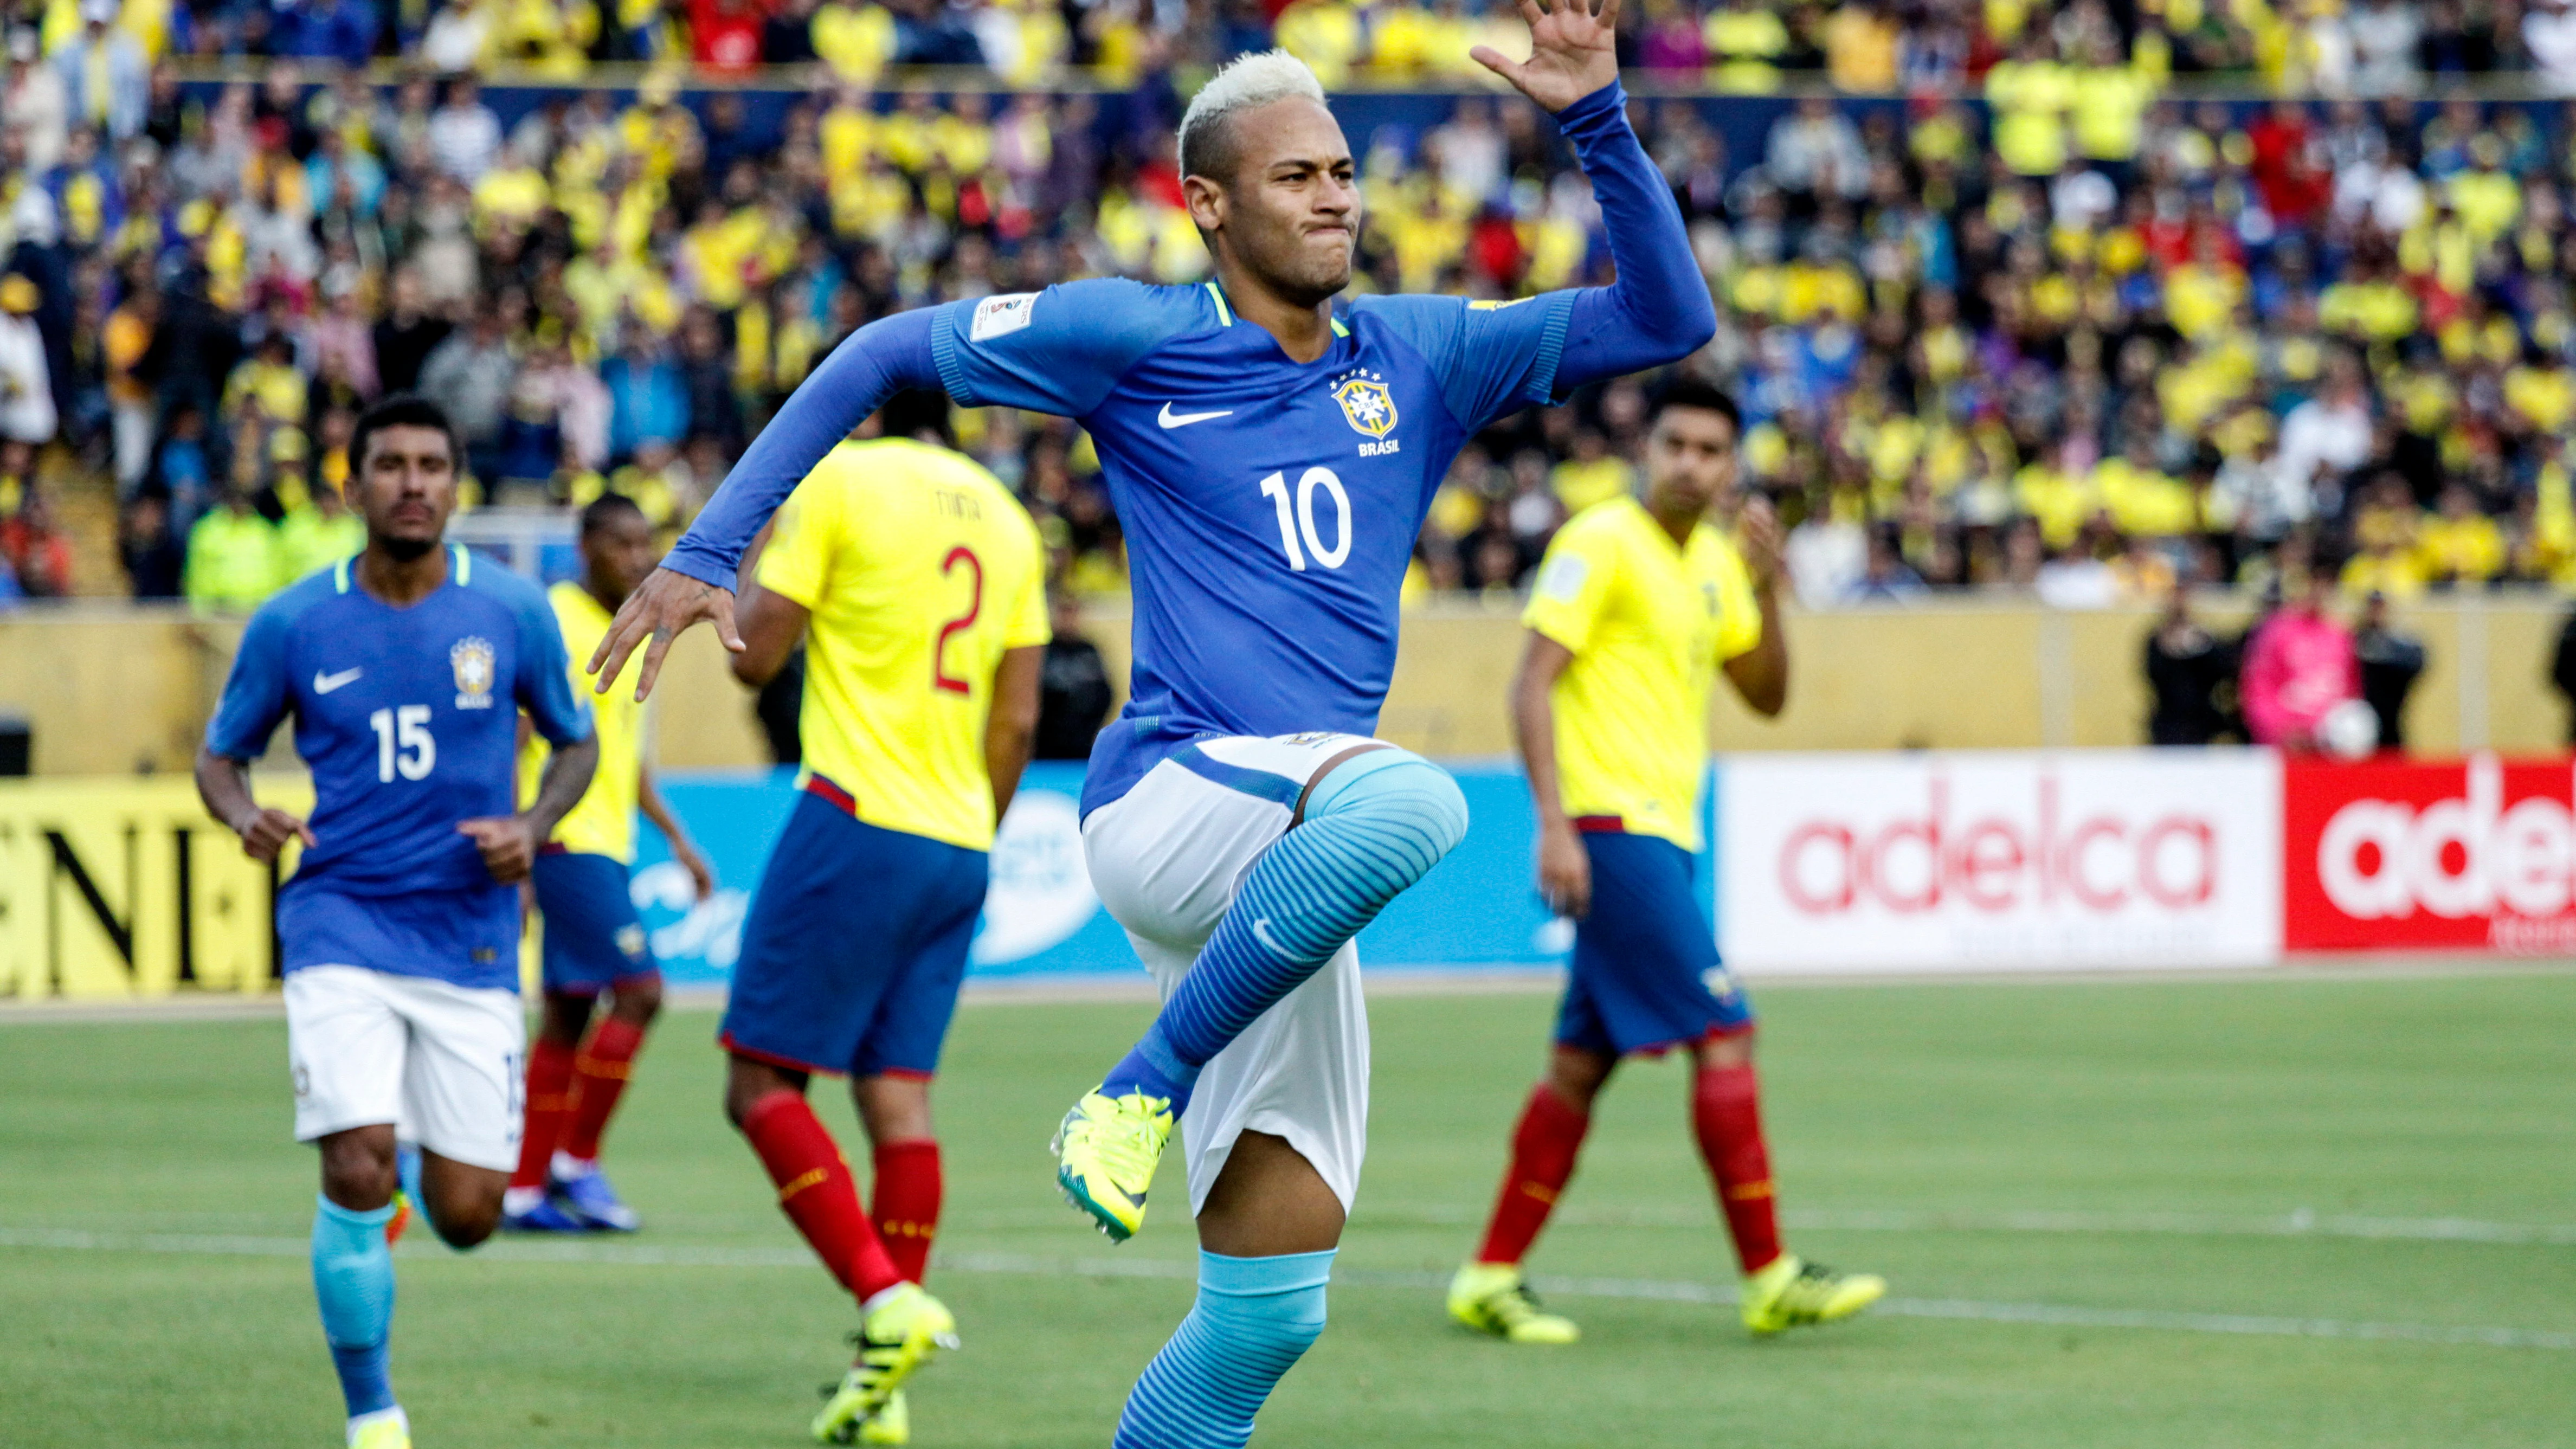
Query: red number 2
{"points": [[939, 675]]}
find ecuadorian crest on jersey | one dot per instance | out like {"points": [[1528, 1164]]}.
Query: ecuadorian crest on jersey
{"points": [[1366, 404], [471, 658]]}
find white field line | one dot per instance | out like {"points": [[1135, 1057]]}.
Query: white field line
{"points": [[1174, 1270]]}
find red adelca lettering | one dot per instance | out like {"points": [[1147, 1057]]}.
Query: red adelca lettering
{"points": [[2476, 854], [1993, 862]]}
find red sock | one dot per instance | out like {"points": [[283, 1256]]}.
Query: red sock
{"points": [[1726, 1107], [602, 1068], [1543, 1149], [549, 1104], [906, 1210], [817, 1193]]}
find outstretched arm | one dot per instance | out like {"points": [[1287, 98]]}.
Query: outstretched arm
{"points": [[695, 584], [1658, 310]]}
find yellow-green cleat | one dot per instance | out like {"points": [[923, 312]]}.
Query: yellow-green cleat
{"points": [[1790, 1292], [889, 1425], [384, 1429], [1492, 1298], [1105, 1155], [900, 1335]]}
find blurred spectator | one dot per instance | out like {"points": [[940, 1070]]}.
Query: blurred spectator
{"points": [[471, 375], [1075, 694], [1886, 578], [464, 135], [2390, 662], [406, 335], [38, 553], [35, 103], [2192, 674], [1815, 150], [27, 412], [232, 560], [106, 76], [648, 400], [154, 559], [342, 32], [317, 533], [2298, 664]]}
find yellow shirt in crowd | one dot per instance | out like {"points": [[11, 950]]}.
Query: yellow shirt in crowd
{"points": [[1648, 624], [920, 571]]}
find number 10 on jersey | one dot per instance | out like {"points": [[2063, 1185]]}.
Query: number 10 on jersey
{"points": [[1302, 524]]}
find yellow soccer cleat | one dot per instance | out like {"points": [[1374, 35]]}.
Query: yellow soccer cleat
{"points": [[889, 1425], [1491, 1298], [900, 1335], [1106, 1153], [1792, 1291], [384, 1429]]}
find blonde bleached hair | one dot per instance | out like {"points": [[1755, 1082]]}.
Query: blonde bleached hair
{"points": [[1247, 82]]}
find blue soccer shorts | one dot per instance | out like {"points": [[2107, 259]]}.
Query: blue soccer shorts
{"points": [[1645, 975], [593, 938], [855, 946]]}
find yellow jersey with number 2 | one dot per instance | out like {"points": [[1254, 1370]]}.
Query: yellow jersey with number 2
{"points": [[603, 821], [1648, 624], [920, 570]]}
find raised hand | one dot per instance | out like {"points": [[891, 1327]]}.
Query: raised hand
{"points": [[654, 615], [1757, 534], [1573, 52]]}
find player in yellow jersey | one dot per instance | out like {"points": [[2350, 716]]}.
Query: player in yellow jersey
{"points": [[1638, 606], [594, 942], [919, 585]]}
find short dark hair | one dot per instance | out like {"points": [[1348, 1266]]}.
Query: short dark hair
{"points": [[914, 411], [1690, 392], [608, 508], [401, 410]]}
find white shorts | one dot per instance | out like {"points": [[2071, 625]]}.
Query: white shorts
{"points": [[1166, 858], [442, 1063]]}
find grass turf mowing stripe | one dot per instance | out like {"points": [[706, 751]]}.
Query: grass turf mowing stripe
{"points": [[1654, 1290]]}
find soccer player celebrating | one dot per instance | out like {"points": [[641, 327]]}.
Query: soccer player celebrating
{"points": [[405, 668], [1271, 453], [593, 941], [1636, 607], [922, 585]]}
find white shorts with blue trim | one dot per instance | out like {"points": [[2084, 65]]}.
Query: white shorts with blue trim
{"points": [[1166, 858]]}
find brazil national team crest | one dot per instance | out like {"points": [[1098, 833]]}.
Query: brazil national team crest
{"points": [[1366, 404], [472, 660]]}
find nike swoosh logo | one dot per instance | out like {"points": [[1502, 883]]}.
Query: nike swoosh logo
{"points": [[1170, 419], [325, 683], [1261, 933]]}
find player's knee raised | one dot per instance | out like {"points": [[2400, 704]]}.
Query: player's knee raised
{"points": [[1415, 809]]}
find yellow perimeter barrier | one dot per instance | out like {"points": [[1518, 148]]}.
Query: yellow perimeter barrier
{"points": [[124, 888]]}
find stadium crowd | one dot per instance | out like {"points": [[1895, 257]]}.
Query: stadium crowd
{"points": [[2044, 325]]}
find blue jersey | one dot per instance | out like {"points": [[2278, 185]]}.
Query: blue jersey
{"points": [[408, 719], [1269, 506]]}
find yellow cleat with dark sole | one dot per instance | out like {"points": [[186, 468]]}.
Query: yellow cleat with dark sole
{"points": [[1791, 1292], [899, 1335], [1105, 1155], [1493, 1298]]}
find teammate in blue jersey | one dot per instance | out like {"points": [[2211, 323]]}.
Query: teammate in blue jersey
{"points": [[405, 668], [1271, 453]]}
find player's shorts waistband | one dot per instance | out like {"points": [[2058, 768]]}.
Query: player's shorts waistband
{"points": [[553, 847], [823, 788], [1601, 824]]}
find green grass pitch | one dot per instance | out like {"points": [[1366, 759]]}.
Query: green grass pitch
{"points": [[2273, 1212]]}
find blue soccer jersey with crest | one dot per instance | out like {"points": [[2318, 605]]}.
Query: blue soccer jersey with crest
{"points": [[408, 720], [1269, 506]]}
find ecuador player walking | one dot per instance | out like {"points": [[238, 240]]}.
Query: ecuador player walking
{"points": [[921, 583], [594, 942], [1637, 605]]}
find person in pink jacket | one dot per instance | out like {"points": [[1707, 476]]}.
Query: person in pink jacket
{"points": [[2298, 665]]}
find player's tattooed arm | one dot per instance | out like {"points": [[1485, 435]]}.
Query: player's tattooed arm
{"points": [[1573, 52], [224, 784], [1564, 867], [509, 843]]}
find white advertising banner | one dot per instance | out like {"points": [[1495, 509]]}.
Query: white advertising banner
{"points": [[2004, 860]]}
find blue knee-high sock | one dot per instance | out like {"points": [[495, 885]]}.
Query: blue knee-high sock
{"points": [[1374, 826], [1253, 1318], [353, 1277]]}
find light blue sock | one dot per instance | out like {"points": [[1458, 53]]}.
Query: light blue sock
{"points": [[353, 1277], [1253, 1319], [1373, 827]]}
